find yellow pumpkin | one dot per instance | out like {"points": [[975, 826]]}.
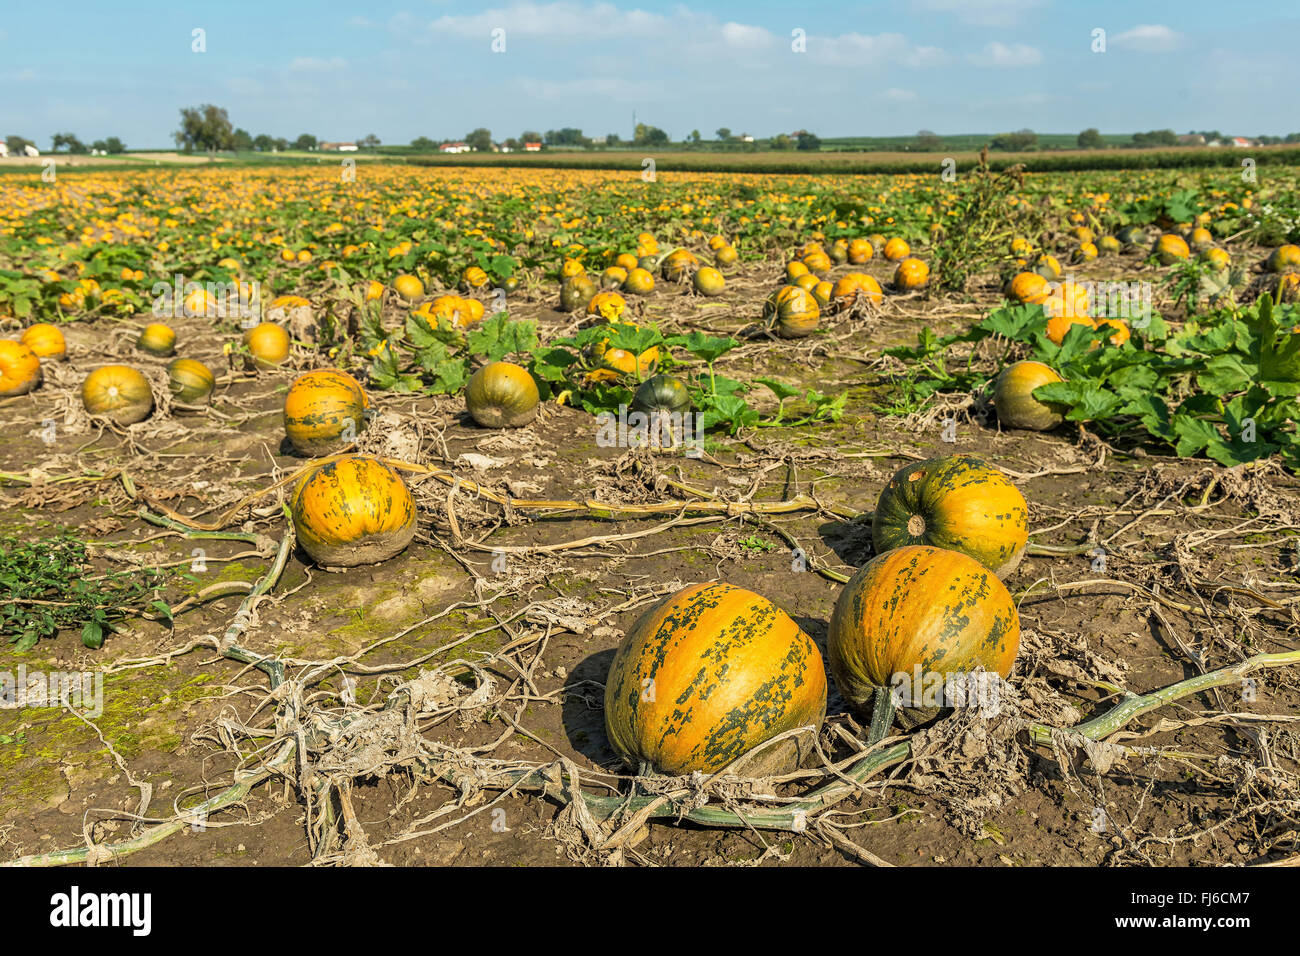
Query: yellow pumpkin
{"points": [[409, 287], [725, 256], [1029, 287], [474, 278], [860, 251], [157, 339], [709, 281], [502, 395], [791, 312], [896, 249], [855, 287], [608, 305], [353, 511], [119, 393], [46, 341], [818, 263], [1171, 248], [639, 281], [1013, 397], [268, 344], [324, 411], [707, 676], [911, 274], [678, 266], [20, 369]]}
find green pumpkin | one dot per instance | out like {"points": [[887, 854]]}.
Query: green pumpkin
{"points": [[191, 382], [576, 292], [502, 395], [662, 393]]}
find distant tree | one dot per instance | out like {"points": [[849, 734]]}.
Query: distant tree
{"points": [[927, 141], [649, 136], [1156, 137], [305, 141], [782, 141], [68, 141], [566, 137], [279, 144], [511, 143], [480, 139], [263, 142], [1292, 138], [695, 136], [530, 136], [204, 127], [1090, 138], [612, 139], [423, 144], [369, 141], [1019, 140], [241, 139], [724, 134], [807, 140], [17, 144]]}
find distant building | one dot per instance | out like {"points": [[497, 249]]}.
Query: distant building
{"points": [[31, 150], [454, 147], [599, 140], [746, 138], [338, 147], [1241, 142], [4, 150], [532, 147]]}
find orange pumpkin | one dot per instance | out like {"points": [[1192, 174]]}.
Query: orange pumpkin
{"points": [[911, 274], [268, 344], [352, 511], [679, 265], [119, 393], [1029, 287], [818, 263], [1013, 397], [959, 503], [20, 369], [708, 675], [725, 256], [860, 251], [1171, 248], [608, 305], [855, 287], [708, 281], [896, 250], [791, 312], [919, 611], [46, 341], [639, 281], [324, 411]]}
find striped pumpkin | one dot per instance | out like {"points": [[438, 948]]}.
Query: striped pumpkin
{"points": [[191, 382], [352, 511], [324, 411], [959, 503], [707, 676], [919, 606]]}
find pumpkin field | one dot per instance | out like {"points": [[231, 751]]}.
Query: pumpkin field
{"points": [[437, 515]]}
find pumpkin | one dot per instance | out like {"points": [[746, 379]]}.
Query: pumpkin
{"points": [[725, 256], [20, 369], [708, 675], [860, 251], [919, 611], [855, 287], [1108, 245], [1122, 333], [626, 261], [119, 393], [622, 361], [1171, 248], [1216, 259], [502, 395], [1082, 234], [662, 393], [1086, 252], [791, 312], [818, 263], [1200, 238], [1047, 267], [191, 382], [408, 287], [807, 281], [1013, 397], [794, 270], [571, 268], [958, 502], [896, 250], [1021, 247], [268, 344], [839, 251], [1029, 287], [717, 242], [808, 248], [1132, 236], [708, 281], [324, 411], [157, 339], [474, 278], [639, 281], [576, 292], [678, 266], [613, 277], [1283, 258], [352, 511], [822, 293], [46, 341], [608, 305], [878, 243], [1058, 326], [911, 274]]}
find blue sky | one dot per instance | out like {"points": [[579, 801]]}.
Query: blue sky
{"points": [[413, 67]]}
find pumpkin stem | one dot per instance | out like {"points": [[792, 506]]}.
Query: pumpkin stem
{"points": [[882, 716], [916, 526]]}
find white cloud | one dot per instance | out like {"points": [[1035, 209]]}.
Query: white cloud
{"points": [[856, 49], [741, 36], [311, 64], [982, 13], [1148, 38], [562, 19], [1003, 55]]}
